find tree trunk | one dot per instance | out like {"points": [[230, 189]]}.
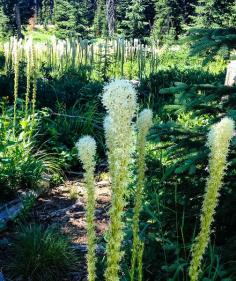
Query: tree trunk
{"points": [[230, 79], [51, 9], [18, 20], [110, 5]]}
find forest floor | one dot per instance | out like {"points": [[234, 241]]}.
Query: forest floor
{"points": [[56, 207]]}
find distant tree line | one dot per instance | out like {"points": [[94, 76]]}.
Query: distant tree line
{"points": [[159, 19]]}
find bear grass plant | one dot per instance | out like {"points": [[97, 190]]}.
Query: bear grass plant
{"points": [[144, 123], [87, 150], [218, 141], [40, 254], [120, 101]]}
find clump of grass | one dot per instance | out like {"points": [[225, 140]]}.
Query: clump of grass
{"points": [[41, 254], [104, 176], [73, 193]]}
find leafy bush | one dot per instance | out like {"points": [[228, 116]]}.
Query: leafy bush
{"points": [[164, 78], [177, 172], [61, 128], [21, 163], [68, 86], [22, 167], [41, 254]]}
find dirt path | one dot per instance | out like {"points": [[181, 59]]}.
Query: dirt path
{"points": [[57, 207]]}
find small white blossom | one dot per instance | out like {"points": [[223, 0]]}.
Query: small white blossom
{"points": [[120, 99], [221, 132], [144, 121], [86, 148]]}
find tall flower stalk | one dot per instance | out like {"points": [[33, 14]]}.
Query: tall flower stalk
{"points": [[119, 99], [140, 261], [15, 55], [28, 75], [218, 141], [87, 150], [144, 123], [34, 93]]}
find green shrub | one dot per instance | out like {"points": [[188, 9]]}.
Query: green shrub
{"points": [[163, 78], [177, 172], [22, 165], [40, 254]]}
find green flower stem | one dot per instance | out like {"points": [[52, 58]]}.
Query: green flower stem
{"points": [[16, 81], [34, 94], [143, 123], [138, 200], [28, 77], [115, 231], [90, 218], [140, 261]]}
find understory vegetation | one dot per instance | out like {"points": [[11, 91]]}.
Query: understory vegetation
{"points": [[144, 97]]}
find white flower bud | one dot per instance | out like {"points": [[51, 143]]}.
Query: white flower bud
{"points": [[86, 149]]}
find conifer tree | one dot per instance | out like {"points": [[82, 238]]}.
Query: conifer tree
{"points": [[135, 19], [121, 9], [100, 23], [46, 13], [171, 17], [70, 18], [4, 23], [15, 13], [213, 13], [213, 31]]}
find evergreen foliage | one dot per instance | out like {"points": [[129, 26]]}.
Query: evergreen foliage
{"points": [[70, 18], [164, 19], [171, 18], [4, 23], [100, 24], [46, 13], [135, 20], [212, 42], [213, 29], [213, 13], [8, 14]]}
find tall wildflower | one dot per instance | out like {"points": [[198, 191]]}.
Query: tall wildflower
{"points": [[144, 123], [15, 55], [120, 100], [87, 150], [28, 74], [34, 94], [218, 141], [7, 52]]}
